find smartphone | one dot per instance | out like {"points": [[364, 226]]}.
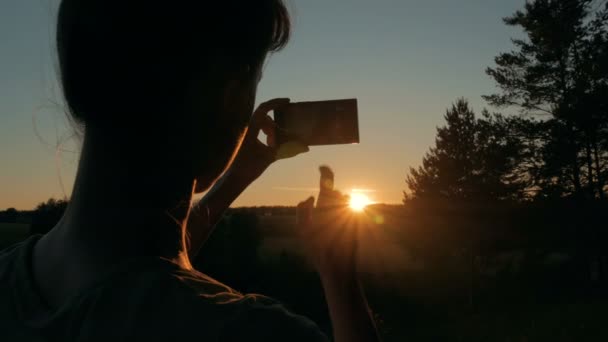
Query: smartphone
{"points": [[330, 122]]}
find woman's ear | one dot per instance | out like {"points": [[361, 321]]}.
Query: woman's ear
{"points": [[239, 96], [241, 84]]}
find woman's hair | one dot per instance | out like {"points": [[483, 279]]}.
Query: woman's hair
{"points": [[125, 59]]}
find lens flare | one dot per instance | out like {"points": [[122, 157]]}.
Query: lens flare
{"points": [[359, 201]]}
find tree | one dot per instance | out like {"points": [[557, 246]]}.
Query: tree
{"points": [[9, 215], [559, 73], [474, 159]]}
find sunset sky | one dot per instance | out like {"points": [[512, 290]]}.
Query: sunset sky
{"points": [[404, 60]]}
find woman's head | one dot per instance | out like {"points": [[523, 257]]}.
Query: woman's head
{"points": [[178, 77]]}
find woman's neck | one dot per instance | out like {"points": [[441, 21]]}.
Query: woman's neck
{"points": [[123, 205]]}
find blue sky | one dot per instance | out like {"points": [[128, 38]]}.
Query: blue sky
{"points": [[405, 61]]}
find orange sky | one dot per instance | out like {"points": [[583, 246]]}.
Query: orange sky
{"points": [[405, 61]]}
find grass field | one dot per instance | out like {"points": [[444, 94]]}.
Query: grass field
{"points": [[416, 302], [11, 233]]}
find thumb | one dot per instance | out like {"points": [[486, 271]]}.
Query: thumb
{"points": [[304, 212], [291, 149], [327, 179]]}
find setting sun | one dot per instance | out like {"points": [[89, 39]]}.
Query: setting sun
{"points": [[359, 201]]}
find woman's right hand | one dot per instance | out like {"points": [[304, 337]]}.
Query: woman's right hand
{"points": [[329, 232]]}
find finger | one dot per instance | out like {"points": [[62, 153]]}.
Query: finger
{"points": [[268, 126], [261, 121], [328, 197], [268, 106], [266, 153], [290, 149], [306, 205], [332, 199], [304, 211], [326, 186], [271, 138], [327, 178], [339, 197]]}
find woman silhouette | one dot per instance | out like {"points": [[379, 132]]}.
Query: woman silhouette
{"points": [[163, 94]]}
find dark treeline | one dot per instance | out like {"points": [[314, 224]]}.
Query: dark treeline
{"points": [[536, 179], [520, 198], [557, 147]]}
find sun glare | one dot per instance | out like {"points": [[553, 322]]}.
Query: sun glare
{"points": [[359, 201]]}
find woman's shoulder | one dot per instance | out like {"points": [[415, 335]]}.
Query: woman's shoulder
{"points": [[190, 291], [174, 302], [200, 300], [200, 284]]}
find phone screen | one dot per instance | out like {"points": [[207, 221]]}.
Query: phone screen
{"points": [[318, 123]]}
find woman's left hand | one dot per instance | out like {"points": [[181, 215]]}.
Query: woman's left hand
{"points": [[254, 157]]}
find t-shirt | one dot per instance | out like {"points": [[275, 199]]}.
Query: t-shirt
{"points": [[145, 299]]}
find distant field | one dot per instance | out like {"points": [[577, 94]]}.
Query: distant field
{"points": [[11, 233]]}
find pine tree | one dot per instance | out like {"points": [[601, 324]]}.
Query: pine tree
{"points": [[559, 73], [473, 159]]}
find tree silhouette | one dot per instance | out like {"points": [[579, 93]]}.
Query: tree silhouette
{"points": [[9, 215], [473, 159], [559, 73]]}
